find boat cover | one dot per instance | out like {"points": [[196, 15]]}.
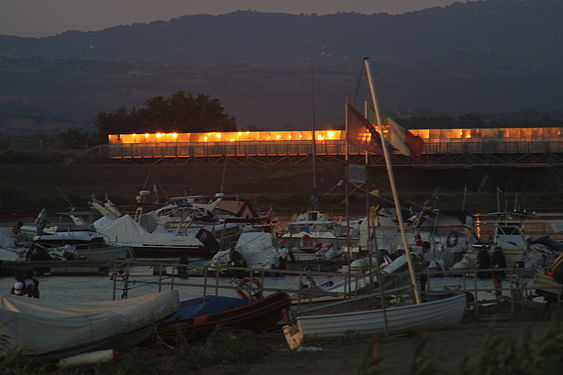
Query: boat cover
{"points": [[6, 240], [124, 230], [206, 305], [34, 327]]}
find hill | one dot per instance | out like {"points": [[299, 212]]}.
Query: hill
{"points": [[487, 56]]}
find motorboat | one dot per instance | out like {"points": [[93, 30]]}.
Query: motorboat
{"points": [[312, 235], [258, 251], [125, 231], [68, 243], [510, 244]]}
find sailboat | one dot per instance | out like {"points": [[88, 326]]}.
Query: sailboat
{"points": [[435, 312]]}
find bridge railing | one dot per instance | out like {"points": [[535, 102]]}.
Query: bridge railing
{"points": [[283, 148]]}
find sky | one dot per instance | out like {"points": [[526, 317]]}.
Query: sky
{"points": [[38, 18]]}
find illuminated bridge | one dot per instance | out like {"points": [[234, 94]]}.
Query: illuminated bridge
{"points": [[443, 148]]}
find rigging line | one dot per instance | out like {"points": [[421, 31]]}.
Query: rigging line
{"points": [[358, 84]]}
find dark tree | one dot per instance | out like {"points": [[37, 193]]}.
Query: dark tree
{"points": [[179, 113], [74, 139]]}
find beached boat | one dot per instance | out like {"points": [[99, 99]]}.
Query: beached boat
{"points": [[204, 314], [436, 313], [35, 327]]}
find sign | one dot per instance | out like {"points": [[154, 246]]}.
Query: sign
{"points": [[357, 173]]}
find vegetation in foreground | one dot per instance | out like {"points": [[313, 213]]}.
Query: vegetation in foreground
{"points": [[524, 352]]}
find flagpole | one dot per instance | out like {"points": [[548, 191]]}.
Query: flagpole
{"points": [[346, 192], [392, 183], [314, 198]]}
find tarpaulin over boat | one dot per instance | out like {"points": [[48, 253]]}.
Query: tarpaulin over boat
{"points": [[34, 327], [206, 305], [126, 231]]}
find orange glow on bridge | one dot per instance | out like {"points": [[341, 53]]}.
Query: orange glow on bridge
{"points": [[247, 136]]}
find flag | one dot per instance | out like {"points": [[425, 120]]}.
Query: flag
{"points": [[400, 139], [361, 133]]}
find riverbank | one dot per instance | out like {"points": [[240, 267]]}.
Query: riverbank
{"points": [[26, 188], [470, 348]]}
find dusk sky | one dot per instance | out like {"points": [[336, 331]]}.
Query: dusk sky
{"points": [[36, 18]]}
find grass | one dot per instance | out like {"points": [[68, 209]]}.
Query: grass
{"points": [[498, 354], [223, 347]]}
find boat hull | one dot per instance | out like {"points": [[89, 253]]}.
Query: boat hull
{"points": [[152, 251], [437, 314], [258, 316]]}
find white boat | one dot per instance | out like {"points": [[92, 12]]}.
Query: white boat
{"points": [[124, 231], [517, 248], [75, 245], [438, 313], [9, 249], [258, 251], [313, 236], [35, 327], [421, 315]]}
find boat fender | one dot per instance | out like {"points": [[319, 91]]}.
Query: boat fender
{"points": [[246, 284], [85, 359]]}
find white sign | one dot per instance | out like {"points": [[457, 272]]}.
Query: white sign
{"points": [[357, 173]]}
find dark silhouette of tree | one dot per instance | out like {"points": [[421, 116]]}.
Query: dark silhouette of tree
{"points": [[75, 139], [181, 112]]}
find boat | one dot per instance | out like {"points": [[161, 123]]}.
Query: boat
{"points": [[314, 242], [10, 250], [125, 231], [67, 243], [509, 243], [258, 251], [202, 315], [438, 312], [34, 327], [417, 314]]}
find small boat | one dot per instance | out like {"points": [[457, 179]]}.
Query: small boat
{"points": [[34, 327], [438, 312], [257, 249], [202, 315]]}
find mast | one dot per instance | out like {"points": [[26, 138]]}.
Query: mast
{"points": [[346, 193], [314, 196], [392, 182]]}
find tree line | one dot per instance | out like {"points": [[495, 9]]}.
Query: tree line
{"points": [[181, 112]]}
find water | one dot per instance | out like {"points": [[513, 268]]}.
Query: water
{"points": [[76, 289]]}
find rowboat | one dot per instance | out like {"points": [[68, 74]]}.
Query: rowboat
{"points": [[438, 312], [202, 315]]}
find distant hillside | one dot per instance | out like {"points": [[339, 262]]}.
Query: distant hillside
{"points": [[487, 56]]}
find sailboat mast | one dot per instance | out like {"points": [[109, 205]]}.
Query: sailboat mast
{"points": [[314, 196], [392, 182]]}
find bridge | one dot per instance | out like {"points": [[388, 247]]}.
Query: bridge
{"points": [[443, 148]]}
